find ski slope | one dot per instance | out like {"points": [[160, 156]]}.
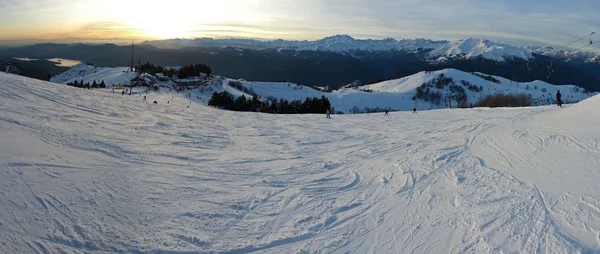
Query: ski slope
{"points": [[397, 94], [89, 74], [90, 171]]}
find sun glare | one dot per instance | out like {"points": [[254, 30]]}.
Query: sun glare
{"points": [[178, 19], [165, 32]]}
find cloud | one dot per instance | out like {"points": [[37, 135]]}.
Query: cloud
{"points": [[539, 22]]}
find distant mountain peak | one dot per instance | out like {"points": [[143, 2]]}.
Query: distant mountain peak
{"points": [[342, 43]]}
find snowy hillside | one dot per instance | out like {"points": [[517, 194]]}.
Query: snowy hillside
{"points": [[90, 171], [394, 94], [466, 48], [89, 74], [398, 94], [477, 47]]}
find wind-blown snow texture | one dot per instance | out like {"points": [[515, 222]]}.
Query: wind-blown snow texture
{"points": [[87, 170]]}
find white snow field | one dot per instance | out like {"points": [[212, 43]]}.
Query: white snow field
{"points": [[90, 171]]}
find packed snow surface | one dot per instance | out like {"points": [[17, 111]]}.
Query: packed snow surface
{"points": [[91, 171]]}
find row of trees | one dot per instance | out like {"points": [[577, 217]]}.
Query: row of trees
{"points": [[487, 77], [239, 86], [194, 70], [471, 87], [184, 72], [87, 85], [225, 100], [506, 100], [153, 69]]}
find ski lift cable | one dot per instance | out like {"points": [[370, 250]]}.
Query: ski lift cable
{"points": [[551, 67], [570, 43]]}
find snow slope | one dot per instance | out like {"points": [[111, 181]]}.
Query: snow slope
{"points": [[397, 94], [89, 74], [478, 47], [90, 171]]}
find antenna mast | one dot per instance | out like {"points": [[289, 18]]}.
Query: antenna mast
{"points": [[131, 67]]}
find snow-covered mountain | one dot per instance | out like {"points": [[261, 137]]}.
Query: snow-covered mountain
{"points": [[439, 50], [90, 73], [393, 94], [91, 171]]}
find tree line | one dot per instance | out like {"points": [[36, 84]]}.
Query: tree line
{"points": [[225, 100], [194, 71], [184, 72], [87, 85]]}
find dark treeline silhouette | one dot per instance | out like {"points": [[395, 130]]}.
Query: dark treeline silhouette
{"points": [[194, 70], [87, 85], [487, 77], [184, 72], [225, 100], [506, 100]]}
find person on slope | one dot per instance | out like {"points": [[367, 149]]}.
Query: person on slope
{"points": [[386, 112], [414, 110], [144, 98], [7, 68], [327, 112], [559, 98]]}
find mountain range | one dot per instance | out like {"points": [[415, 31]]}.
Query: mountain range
{"points": [[438, 50], [338, 60]]}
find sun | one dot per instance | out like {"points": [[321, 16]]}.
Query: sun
{"points": [[178, 18], [165, 32]]}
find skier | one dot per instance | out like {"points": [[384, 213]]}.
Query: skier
{"points": [[123, 92], [327, 112], [414, 110], [7, 67], [144, 98], [386, 112], [559, 98]]}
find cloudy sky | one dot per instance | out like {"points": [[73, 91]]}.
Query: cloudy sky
{"points": [[521, 22]]}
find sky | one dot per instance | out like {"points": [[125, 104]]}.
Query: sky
{"points": [[520, 22]]}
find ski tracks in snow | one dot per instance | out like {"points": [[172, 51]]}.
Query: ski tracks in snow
{"points": [[102, 172]]}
